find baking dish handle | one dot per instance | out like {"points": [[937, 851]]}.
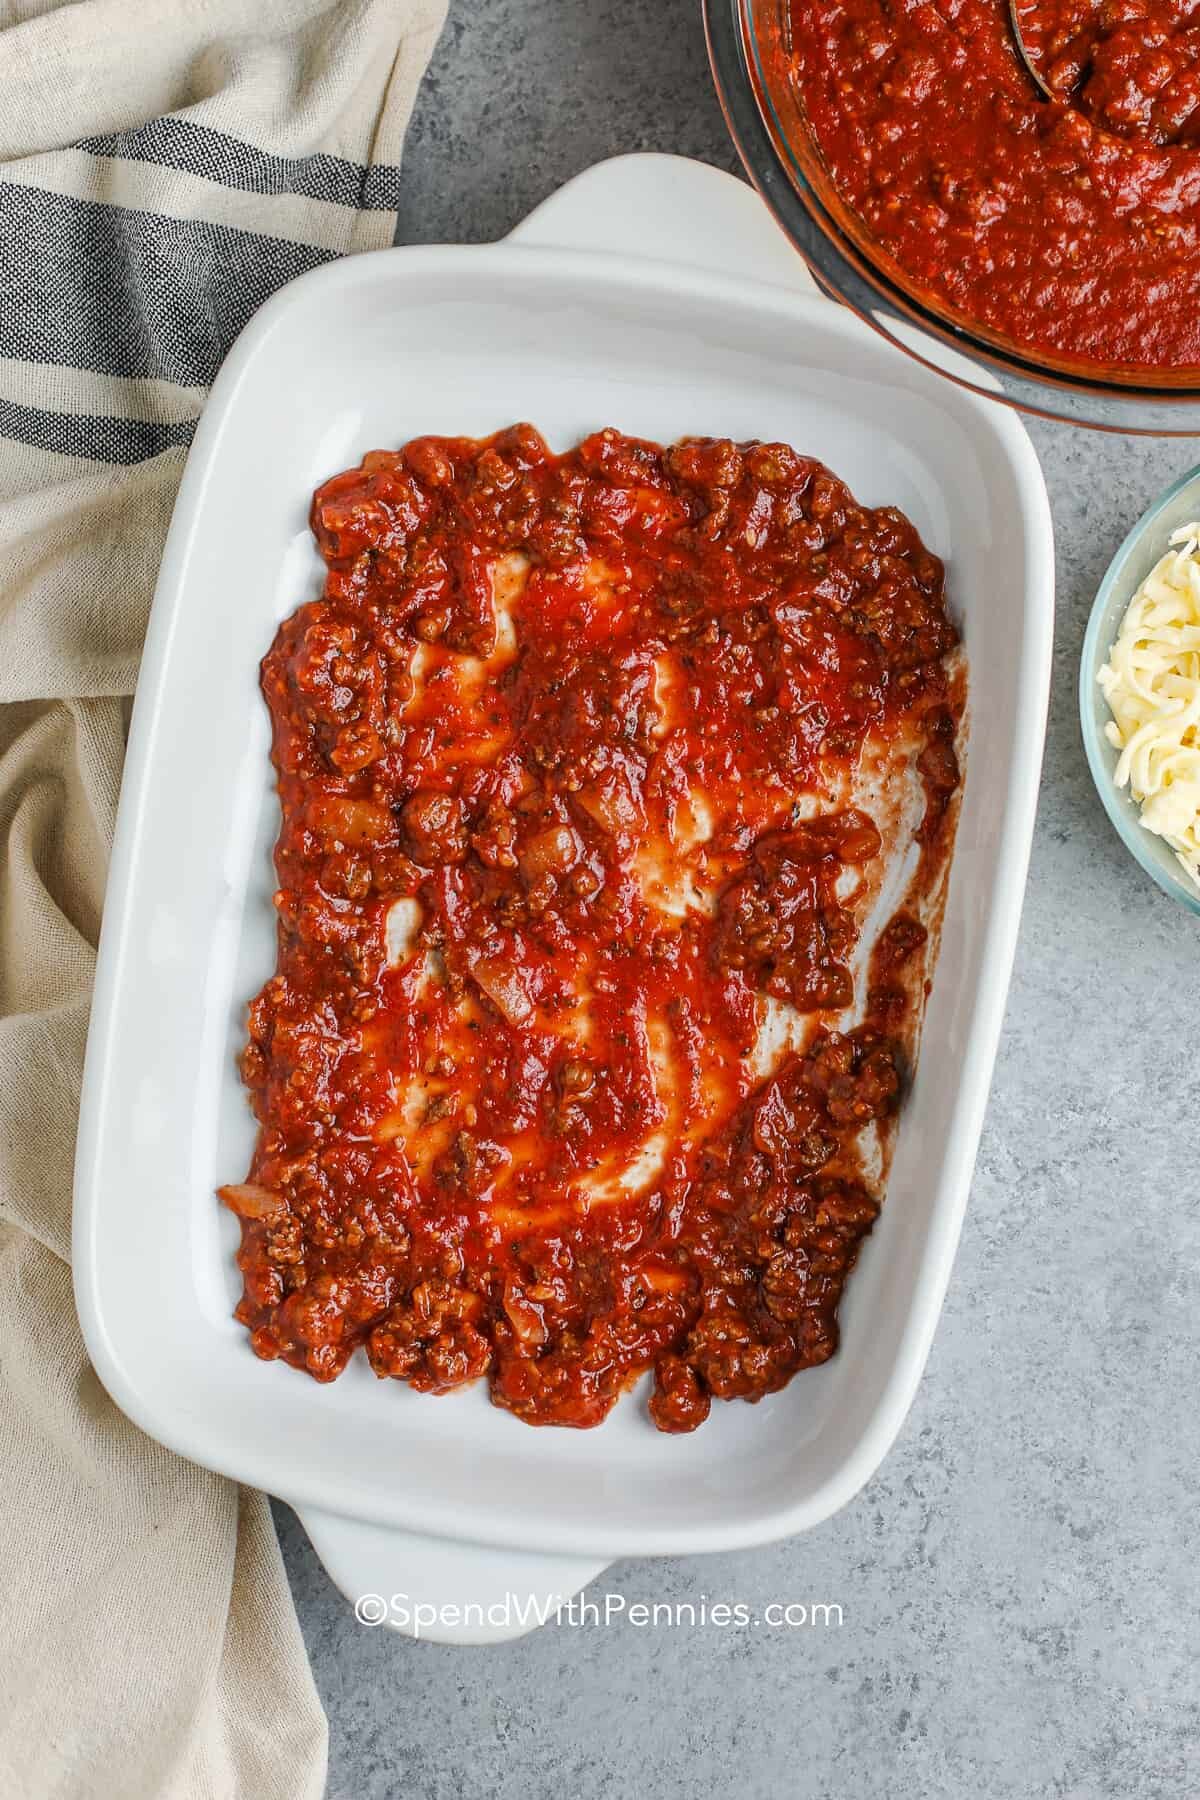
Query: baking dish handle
{"points": [[672, 208], [446, 1592]]}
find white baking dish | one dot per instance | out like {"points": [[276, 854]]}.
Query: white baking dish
{"points": [[368, 352]]}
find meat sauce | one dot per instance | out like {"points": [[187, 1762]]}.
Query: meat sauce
{"points": [[567, 754], [1069, 226], [1133, 66]]}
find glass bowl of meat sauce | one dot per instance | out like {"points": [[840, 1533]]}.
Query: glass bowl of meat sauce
{"points": [[1044, 251]]}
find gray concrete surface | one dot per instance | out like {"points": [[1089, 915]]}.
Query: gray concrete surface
{"points": [[1017, 1584]]}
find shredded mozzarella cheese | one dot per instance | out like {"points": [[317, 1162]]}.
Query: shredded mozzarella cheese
{"points": [[1152, 684]]}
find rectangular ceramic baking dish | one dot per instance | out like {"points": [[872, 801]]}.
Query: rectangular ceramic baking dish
{"points": [[654, 295]]}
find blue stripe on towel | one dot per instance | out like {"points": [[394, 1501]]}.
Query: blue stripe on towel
{"points": [[131, 293], [198, 150], [101, 438]]}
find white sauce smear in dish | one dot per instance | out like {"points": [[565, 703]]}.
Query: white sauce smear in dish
{"points": [[1152, 684]]}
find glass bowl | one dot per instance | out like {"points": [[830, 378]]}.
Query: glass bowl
{"points": [[766, 122], [1128, 569]]}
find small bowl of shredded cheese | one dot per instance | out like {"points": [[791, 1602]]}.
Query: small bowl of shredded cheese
{"points": [[1140, 691]]}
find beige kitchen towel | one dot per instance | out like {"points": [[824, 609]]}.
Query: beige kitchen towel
{"points": [[164, 165]]}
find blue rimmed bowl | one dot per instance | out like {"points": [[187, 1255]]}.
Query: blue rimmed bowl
{"points": [[1147, 541]]}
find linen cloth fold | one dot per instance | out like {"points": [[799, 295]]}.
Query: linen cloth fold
{"points": [[163, 168]]}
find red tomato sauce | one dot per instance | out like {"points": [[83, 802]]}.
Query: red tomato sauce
{"points": [[1133, 66], [565, 755], [1065, 226]]}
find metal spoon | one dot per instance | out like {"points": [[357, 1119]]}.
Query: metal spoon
{"points": [[1014, 13]]}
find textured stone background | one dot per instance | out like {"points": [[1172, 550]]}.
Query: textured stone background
{"points": [[1017, 1582]]}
